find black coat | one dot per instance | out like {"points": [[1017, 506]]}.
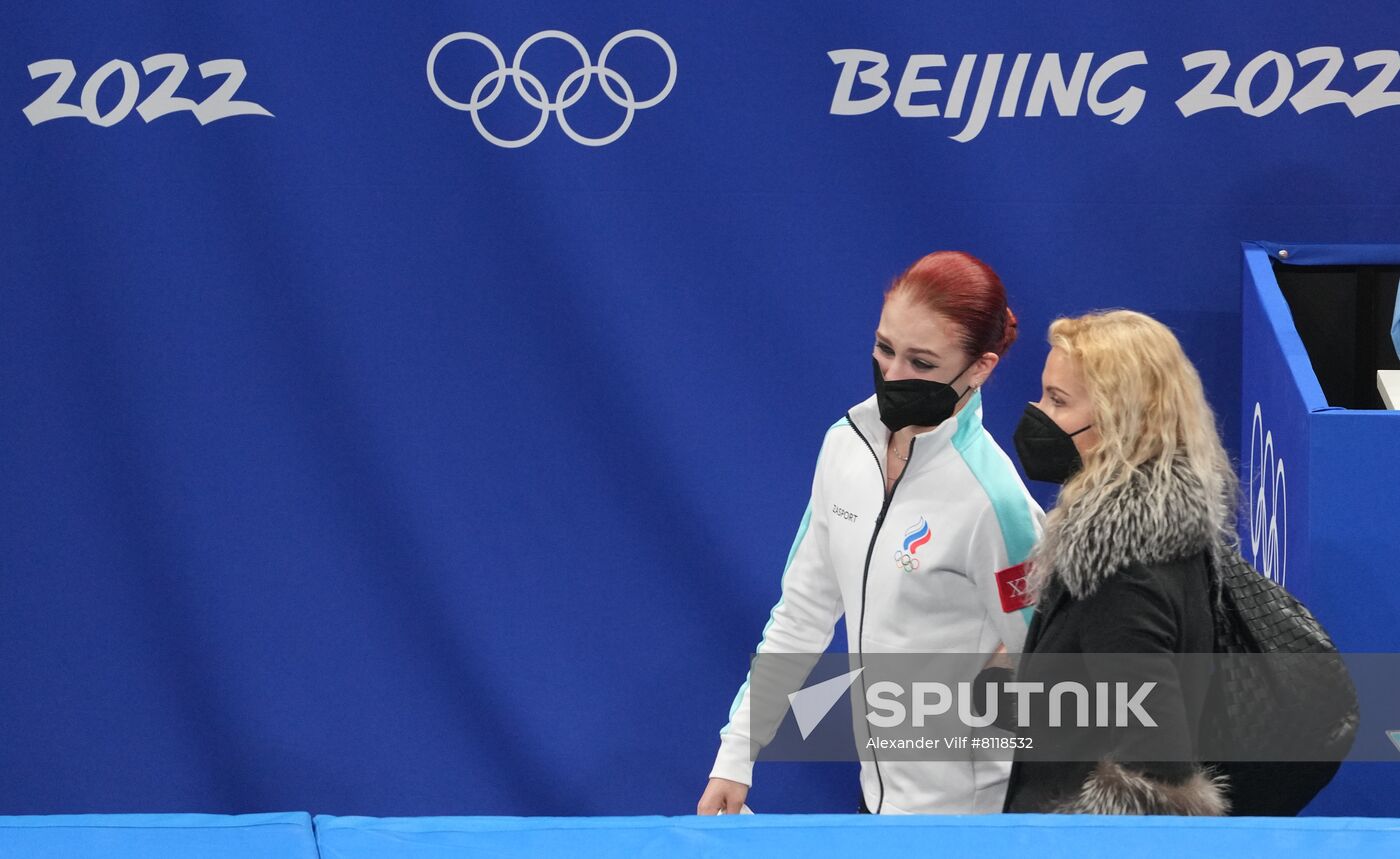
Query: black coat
{"points": [[1123, 569], [1157, 608]]}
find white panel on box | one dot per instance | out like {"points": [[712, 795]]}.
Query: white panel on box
{"points": [[1388, 382]]}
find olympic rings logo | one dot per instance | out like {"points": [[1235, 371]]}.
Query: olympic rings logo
{"points": [[905, 561], [1268, 503], [614, 85]]}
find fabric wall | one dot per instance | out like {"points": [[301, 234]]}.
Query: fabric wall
{"points": [[352, 461]]}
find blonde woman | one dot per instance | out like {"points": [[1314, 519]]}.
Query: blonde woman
{"points": [[1124, 565]]}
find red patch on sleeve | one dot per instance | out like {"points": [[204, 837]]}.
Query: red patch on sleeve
{"points": [[1013, 586]]}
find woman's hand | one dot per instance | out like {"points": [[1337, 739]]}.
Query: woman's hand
{"points": [[1000, 659], [722, 796]]}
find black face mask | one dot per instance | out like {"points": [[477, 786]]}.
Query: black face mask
{"points": [[1047, 452], [915, 402]]}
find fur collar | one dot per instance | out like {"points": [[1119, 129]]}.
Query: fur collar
{"points": [[1112, 788], [1148, 519]]}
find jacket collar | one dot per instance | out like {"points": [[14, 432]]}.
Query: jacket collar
{"points": [[1149, 519], [956, 433]]}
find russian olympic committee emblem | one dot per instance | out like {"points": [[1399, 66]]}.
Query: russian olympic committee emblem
{"points": [[914, 538]]}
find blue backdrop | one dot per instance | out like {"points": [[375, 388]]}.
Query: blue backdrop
{"points": [[355, 463]]}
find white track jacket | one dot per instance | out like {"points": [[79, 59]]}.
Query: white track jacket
{"points": [[932, 568]]}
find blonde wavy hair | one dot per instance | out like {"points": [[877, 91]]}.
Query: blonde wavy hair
{"points": [[1150, 411]]}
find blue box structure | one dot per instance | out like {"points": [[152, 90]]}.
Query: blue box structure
{"points": [[1322, 488]]}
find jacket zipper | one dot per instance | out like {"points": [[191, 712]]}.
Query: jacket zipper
{"points": [[865, 579]]}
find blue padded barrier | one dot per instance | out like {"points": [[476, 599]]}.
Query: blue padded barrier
{"points": [[815, 836], [286, 835]]}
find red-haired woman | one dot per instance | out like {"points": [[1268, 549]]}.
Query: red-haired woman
{"points": [[915, 531]]}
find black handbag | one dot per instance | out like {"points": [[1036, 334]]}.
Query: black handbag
{"points": [[1258, 706]]}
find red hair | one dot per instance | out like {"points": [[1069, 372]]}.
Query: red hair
{"points": [[965, 290]]}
